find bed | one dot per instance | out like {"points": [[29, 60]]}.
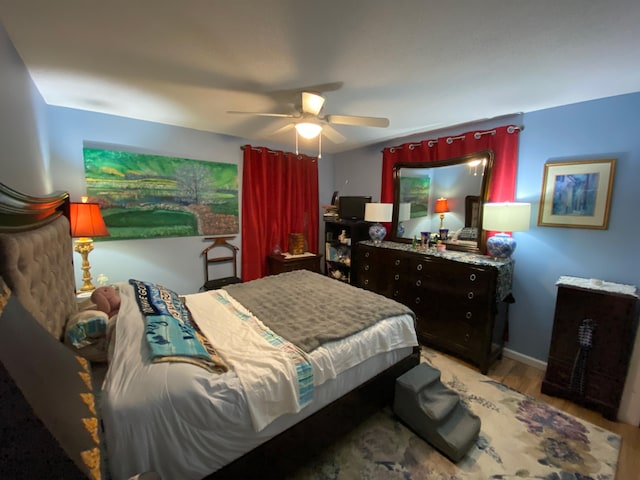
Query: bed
{"points": [[190, 422]]}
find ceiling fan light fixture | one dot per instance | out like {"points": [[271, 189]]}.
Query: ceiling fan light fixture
{"points": [[308, 129]]}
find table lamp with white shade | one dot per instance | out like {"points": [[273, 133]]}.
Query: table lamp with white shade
{"points": [[504, 217], [404, 214], [377, 213]]}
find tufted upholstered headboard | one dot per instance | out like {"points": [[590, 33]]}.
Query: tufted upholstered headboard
{"points": [[36, 256], [37, 289]]}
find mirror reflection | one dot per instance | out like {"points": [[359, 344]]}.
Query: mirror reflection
{"points": [[442, 200]]}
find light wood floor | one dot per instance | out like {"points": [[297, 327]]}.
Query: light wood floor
{"points": [[528, 380]]}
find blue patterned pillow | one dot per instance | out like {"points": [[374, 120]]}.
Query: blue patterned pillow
{"points": [[86, 328]]}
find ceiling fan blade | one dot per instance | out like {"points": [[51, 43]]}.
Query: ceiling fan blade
{"points": [[284, 128], [293, 95], [312, 103], [359, 121], [264, 114], [332, 134]]}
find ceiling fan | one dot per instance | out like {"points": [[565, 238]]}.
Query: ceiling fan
{"points": [[309, 123]]}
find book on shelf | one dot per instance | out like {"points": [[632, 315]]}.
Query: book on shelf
{"points": [[330, 211], [337, 253], [331, 252]]}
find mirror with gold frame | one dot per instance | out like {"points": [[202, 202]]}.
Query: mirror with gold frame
{"points": [[462, 181]]}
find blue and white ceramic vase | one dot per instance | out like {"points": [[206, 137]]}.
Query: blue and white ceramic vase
{"points": [[377, 232], [500, 246]]}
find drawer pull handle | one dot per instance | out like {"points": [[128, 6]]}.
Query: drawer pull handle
{"points": [[366, 282], [468, 315], [418, 283], [397, 277], [366, 254], [418, 300], [397, 262], [472, 277], [419, 267], [470, 295], [366, 267]]}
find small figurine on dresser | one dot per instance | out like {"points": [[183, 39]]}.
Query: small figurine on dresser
{"points": [[342, 238]]}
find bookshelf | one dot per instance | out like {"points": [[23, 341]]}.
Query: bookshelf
{"points": [[341, 240]]}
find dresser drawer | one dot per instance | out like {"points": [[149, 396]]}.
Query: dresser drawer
{"points": [[369, 268], [458, 337], [605, 322], [383, 273], [601, 391]]}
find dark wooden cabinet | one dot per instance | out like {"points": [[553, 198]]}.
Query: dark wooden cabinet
{"points": [[594, 328], [281, 263], [460, 299], [341, 241]]}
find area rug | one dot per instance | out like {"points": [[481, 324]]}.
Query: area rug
{"points": [[520, 438]]}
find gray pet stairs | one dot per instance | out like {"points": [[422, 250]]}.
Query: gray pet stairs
{"points": [[435, 412]]}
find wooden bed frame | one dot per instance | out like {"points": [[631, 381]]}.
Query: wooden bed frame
{"points": [[53, 379]]}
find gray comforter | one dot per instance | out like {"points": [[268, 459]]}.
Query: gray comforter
{"points": [[309, 309]]}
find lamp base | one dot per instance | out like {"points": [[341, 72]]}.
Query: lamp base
{"points": [[84, 246], [500, 246], [377, 232]]}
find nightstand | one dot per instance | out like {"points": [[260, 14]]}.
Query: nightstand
{"points": [[287, 263], [593, 332]]}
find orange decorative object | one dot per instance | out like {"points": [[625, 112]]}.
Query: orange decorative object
{"points": [[87, 221], [296, 243], [442, 207]]}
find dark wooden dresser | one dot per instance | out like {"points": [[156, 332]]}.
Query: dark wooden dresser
{"points": [[282, 263], [593, 332], [460, 299]]}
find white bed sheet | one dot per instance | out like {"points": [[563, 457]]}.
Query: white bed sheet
{"points": [[183, 422]]}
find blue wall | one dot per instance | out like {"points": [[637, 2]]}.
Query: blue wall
{"points": [[606, 128], [23, 136], [42, 152], [173, 262]]}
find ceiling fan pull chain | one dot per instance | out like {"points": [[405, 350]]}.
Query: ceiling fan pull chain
{"points": [[319, 146], [296, 142]]}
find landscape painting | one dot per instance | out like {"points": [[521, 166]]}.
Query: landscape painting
{"points": [[151, 196], [415, 191]]}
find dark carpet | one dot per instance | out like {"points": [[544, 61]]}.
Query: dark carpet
{"points": [[27, 450]]}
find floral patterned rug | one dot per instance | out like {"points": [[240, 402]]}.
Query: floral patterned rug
{"points": [[521, 438]]}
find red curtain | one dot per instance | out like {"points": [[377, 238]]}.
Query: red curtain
{"points": [[502, 140], [279, 197]]}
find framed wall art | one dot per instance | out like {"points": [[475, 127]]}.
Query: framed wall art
{"points": [[153, 196], [577, 194]]}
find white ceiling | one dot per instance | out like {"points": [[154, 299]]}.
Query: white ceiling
{"points": [[423, 64]]}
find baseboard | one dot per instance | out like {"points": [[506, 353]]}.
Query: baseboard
{"points": [[527, 360]]}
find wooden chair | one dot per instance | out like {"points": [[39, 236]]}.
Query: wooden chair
{"points": [[220, 243]]}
